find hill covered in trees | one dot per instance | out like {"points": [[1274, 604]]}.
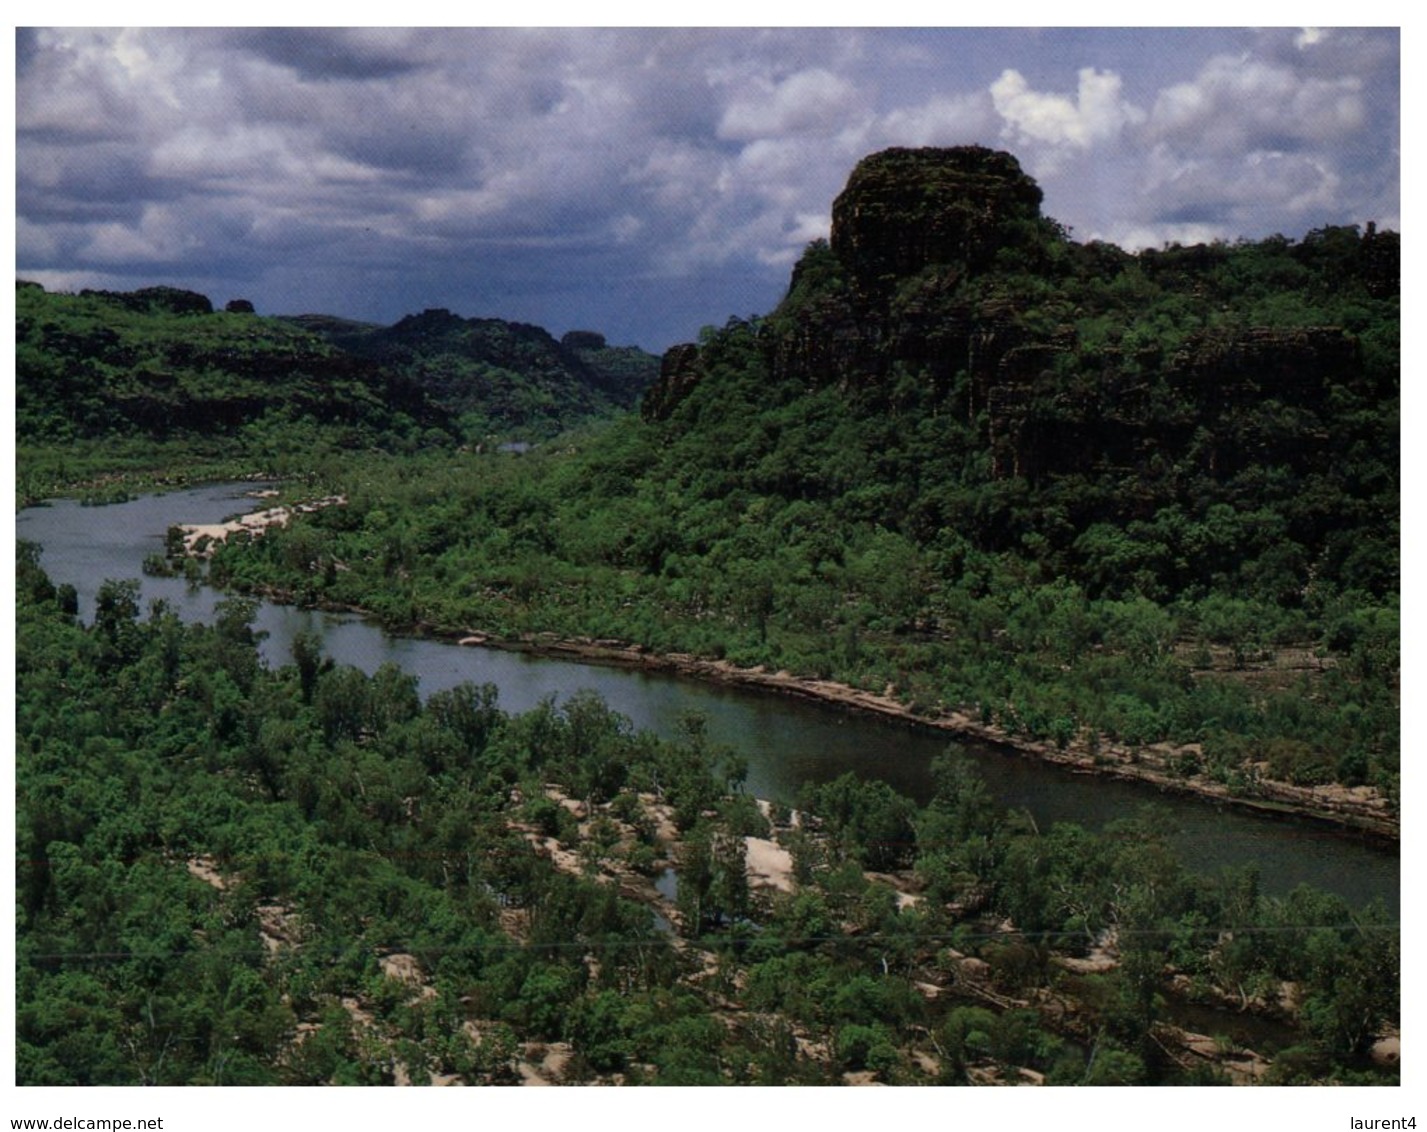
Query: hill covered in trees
{"points": [[1143, 507], [501, 378], [157, 379], [110, 381]]}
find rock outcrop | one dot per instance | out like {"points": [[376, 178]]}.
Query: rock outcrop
{"points": [[583, 340], [941, 270], [679, 372], [911, 232], [159, 300], [906, 210]]}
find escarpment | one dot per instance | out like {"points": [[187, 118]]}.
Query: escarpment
{"points": [[1066, 358]]}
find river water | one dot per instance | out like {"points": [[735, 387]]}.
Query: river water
{"points": [[787, 741]]}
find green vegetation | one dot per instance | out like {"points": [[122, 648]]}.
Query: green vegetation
{"points": [[1100, 502], [119, 391], [158, 381], [501, 379], [861, 534], [233, 875], [1139, 509]]}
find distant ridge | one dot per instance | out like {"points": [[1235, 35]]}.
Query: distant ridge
{"points": [[500, 377], [161, 363]]}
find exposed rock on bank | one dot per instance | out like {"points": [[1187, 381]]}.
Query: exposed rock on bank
{"points": [[1360, 810]]}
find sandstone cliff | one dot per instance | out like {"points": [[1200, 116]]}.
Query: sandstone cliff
{"points": [[940, 266]]}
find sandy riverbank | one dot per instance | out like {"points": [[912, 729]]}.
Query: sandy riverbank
{"points": [[200, 540]]}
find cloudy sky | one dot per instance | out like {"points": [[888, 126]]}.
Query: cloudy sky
{"points": [[645, 183]]}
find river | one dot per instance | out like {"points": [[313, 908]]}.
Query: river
{"points": [[787, 741]]}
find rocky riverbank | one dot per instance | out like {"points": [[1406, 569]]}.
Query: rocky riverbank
{"points": [[1362, 811]]}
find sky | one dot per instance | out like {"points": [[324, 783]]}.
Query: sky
{"points": [[644, 183]]}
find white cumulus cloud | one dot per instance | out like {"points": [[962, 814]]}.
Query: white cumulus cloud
{"points": [[941, 120], [1237, 103], [383, 170], [814, 101], [1098, 113]]}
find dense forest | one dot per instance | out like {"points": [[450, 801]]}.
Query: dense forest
{"points": [[1134, 510], [228, 874], [498, 378]]}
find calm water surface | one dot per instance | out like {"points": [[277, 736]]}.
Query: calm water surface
{"points": [[787, 742]]}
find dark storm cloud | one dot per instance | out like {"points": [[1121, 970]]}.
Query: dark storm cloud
{"points": [[319, 54], [643, 183]]}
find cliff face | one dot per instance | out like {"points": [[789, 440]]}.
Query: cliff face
{"points": [[941, 266], [909, 230], [679, 372], [1253, 396]]}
